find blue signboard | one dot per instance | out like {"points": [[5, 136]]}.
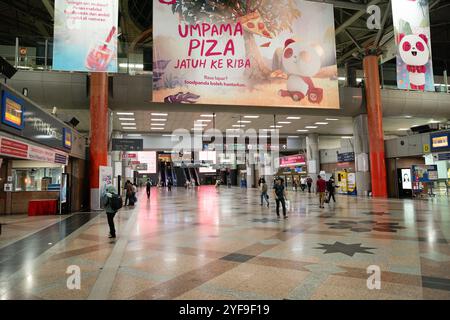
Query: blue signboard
{"points": [[440, 141], [424, 173], [346, 157], [443, 156]]}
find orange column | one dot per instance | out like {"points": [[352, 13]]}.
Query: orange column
{"points": [[99, 132], [375, 123]]}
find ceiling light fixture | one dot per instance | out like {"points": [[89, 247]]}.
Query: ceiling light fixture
{"points": [[302, 130], [160, 114], [207, 116], [129, 128], [127, 119], [311, 127], [284, 122], [332, 119], [251, 117], [347, 137], [125, 113], [128, 124], [160, 120], [244, 121], [293, 118], [322, 123]]}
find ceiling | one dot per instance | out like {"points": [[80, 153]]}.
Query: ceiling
{"points": [[142, 121]]}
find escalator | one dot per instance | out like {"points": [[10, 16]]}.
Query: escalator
{"points": [[188, 174], [195, 176], [162, 173], [181, 177]]}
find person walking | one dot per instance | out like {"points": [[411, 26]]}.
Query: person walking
{"points": [[148, 187], [321, 187], [169, 184], [303, 183], [309, 182], [264, 188], [331, 187], [279, 192], [112, 203], [127, 194]]}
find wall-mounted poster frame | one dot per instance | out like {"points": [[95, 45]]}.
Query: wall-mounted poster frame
{"points": [[12, 111]]}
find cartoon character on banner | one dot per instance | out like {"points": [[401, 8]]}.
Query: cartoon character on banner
{"points": [[301, 62], [415, 53]]}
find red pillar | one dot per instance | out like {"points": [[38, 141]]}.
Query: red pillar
{"points": [[99, 132], [375, 122]]}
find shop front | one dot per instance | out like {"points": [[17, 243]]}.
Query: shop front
{"points": [[343, 172], [440, 148], [42, 160], [33, 178], [292, 170]]}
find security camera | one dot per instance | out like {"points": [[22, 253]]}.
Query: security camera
{"points": [[55, 111]]}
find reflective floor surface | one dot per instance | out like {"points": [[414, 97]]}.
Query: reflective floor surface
{"points": [[221, 244]]}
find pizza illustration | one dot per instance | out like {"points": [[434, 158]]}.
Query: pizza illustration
{"points": [[254, 23]]}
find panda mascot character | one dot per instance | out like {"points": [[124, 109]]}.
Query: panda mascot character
{"points": [[301, 62], [415, 53]]}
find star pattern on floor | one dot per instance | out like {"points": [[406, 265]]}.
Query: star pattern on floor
{"points": [[347, 249], [365, 226]]}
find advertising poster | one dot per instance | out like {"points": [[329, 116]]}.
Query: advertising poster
{"points": [[412, 35], [264, 53], [351, 184], [85, 35], [406, 179], [106, 180], [425, 173]]}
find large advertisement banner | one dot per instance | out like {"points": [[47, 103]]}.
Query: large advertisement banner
{"points": [[263, 53], [86, 35], [412, 34]]}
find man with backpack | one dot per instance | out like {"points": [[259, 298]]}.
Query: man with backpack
{"points": [[331, 188], [112, 203]]}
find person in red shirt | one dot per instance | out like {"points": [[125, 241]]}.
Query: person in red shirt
{"points": [[321, 188]]}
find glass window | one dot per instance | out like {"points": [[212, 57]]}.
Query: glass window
{"points": [[42, 179]]}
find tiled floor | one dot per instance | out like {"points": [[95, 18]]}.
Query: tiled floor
{"points": [[221, 244]]}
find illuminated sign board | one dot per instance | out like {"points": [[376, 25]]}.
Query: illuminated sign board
{"points": [[292, 161], [67, 137], [440, 141], [12, 111]]}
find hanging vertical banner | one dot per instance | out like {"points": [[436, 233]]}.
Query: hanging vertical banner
{"points": [[263, 53], [412, 34], [85, 36]]}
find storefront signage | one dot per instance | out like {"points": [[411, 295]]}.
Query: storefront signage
{"points": [[424, 173], [12, 111], [346, 157], [412, 36], [292, 161], [85, 35], [440, 141], [35, 125], [264, 53], [127, 145], [15, 149]]}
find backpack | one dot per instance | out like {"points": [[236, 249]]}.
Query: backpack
{"points": [[116, 202]]}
